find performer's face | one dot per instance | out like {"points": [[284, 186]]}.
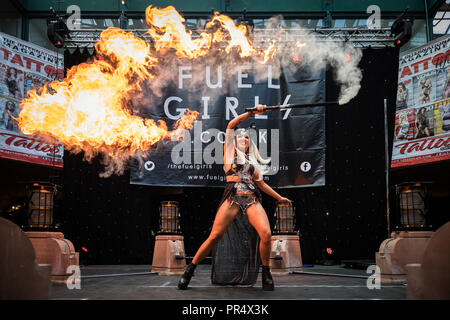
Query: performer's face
{"points": [[242, 141]]}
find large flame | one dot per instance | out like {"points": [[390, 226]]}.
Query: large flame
{"points": [[169, 32], [88, 109]]}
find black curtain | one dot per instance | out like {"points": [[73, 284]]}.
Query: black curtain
{"points": [[348, 215], [116, 222]]}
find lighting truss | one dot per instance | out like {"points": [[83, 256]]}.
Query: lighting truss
{"points": [[358, 37]]}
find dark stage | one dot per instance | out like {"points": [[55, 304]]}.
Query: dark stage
{"points": [[134, 282]]}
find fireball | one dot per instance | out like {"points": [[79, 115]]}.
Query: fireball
{"points": [[89, 110]]}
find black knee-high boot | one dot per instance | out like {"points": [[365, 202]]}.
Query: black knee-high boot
{"points": [[267, 281], [186, 277]]}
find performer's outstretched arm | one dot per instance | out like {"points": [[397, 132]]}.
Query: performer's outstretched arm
{"points": [[236, 121], [264, 187]]}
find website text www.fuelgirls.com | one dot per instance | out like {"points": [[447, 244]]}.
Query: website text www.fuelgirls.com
{"points": [[212, 177], [220, 178]]}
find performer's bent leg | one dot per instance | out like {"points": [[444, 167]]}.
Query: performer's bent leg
{"points": [[258, 219], [225, 215]]}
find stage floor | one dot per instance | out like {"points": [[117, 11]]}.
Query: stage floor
{"points": [[134, 282]]}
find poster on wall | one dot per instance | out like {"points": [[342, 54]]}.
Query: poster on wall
{"points": [[25, 66], [422, 120]]}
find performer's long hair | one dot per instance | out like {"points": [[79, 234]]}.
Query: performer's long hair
{"points": [[252, 153]]}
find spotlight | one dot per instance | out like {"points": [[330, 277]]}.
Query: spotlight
{"points": [[56, 29], [402, 30]]}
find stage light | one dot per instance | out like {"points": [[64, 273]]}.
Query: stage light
{"points": [[347, 58], [84, 249], [412, 204], [329, 251], [169, 218], [285, 255], [402, 30], [40, 205], [402, 36], [284, 219], [56, 30], [168, 255]]}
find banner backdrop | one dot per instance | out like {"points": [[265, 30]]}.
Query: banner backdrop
{"points": [[294, 139], [422, 123], [25, 66]]}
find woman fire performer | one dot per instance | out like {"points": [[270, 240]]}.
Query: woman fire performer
{"points": [[244, 174]]}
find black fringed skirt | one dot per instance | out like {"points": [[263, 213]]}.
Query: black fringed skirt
{"points": [[236, 258]]}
